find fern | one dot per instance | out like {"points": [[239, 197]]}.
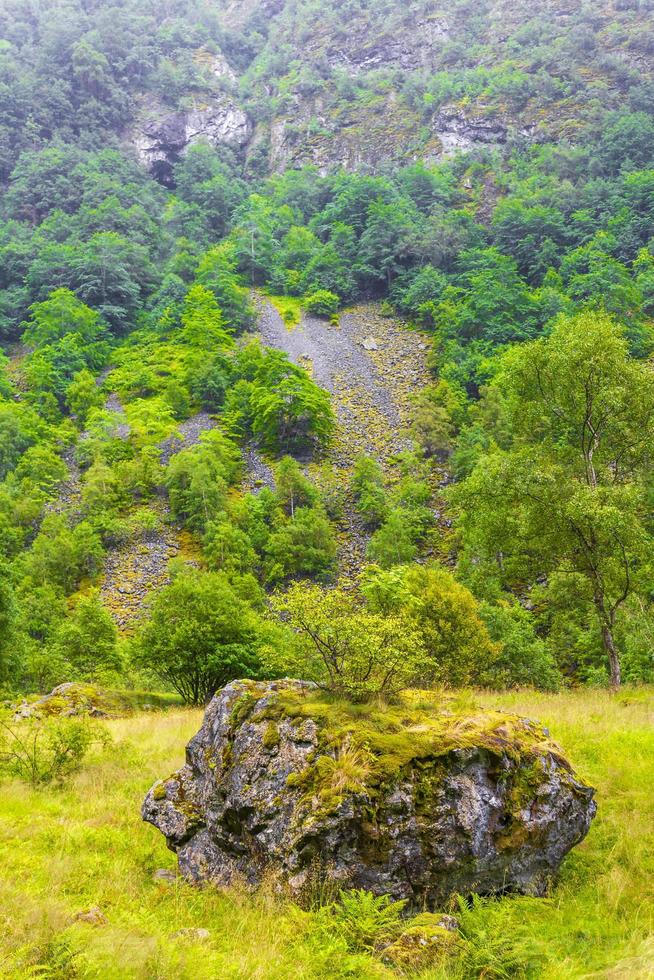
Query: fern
{"points": [[366, 920]]}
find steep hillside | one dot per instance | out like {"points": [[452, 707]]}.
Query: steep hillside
{"points": [[439, 207], [353, 83], [326, 349]]}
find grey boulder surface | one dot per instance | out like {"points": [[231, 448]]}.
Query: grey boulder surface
{"points": [[417, 803]]}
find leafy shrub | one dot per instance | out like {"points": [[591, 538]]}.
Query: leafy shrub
{"points": [[198, 478], [525, 659], [368, 488], [357, 654], [488, 949], [305, 545], [394, 543], [446, 617], [47, 750], [200, 636], [322, 303]]}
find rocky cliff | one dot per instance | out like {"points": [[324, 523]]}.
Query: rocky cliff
{"points": [[360, 83], [418, 801]]}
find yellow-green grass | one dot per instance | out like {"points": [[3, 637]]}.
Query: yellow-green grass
{"points": [[62, 851], [288, 307]]}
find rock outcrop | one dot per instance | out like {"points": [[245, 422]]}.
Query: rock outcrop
{"points": [[161, 138], [417, 801], [75, 698], [69, 700], [458, 132]]}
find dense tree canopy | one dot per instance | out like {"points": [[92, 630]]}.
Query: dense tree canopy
{"points": [[134, 397]]}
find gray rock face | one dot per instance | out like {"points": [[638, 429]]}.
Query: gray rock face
{"points": [[458, 132], [163, 137], [419, 809], [415, 47]]}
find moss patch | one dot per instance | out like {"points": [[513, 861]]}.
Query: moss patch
{"points": [[424, 944], [422, 726], [288, 307], [271, 736], [80, 699], [363, 749]]}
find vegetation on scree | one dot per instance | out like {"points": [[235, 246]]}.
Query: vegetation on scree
{"points": [[125, 312], [117, 286], [128, 319]]}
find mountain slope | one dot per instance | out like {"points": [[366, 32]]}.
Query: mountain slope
{"points": [[289, 83]]}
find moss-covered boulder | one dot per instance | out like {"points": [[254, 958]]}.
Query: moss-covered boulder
{"points": [[67, 701], [74, 698], [427, 941], [419, 800]]}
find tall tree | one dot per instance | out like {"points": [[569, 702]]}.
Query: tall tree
{"points": [[567, 493]]}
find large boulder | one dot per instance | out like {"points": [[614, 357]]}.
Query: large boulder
{"points": [[68, 701], [418, 800]]}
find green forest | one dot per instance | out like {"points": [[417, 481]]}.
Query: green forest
{"points": [[326, 346]]}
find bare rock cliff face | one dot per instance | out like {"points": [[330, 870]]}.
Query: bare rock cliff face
{"points": [[418, 803], [162, 137]]}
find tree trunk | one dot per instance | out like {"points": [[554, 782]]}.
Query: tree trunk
{"points": [[607, 622], [612, 654]]}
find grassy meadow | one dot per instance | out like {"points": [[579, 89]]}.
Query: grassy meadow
{"points": [[65, 850]]}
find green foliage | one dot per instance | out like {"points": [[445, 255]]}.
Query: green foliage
{"points": [[445, 616], [200, 636], [83, 395], [198, 479], [366, 920], [62, 313], [303, 546], [394, 543], [368, 487], [568, 494], [322, 303], [62, 556], [524, 659], [8, 617], [203, 326], [47, 751], [289, 411], [432, 426], [86, 641], [349, 649], [102, 262], [292, 488]]}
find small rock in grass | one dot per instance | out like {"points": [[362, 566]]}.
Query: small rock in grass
{"points": [[428, 940], [93, 916], [192, 935], [164, 876]]}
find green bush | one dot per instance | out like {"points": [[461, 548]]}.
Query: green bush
{"points": [[322, 303], [200, 636], [302, 546], [368, 489], [350, 650], [47, 750], [445, 616]]}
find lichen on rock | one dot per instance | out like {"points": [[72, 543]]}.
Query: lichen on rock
{"points": [[418, 800], [70, 700]]}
